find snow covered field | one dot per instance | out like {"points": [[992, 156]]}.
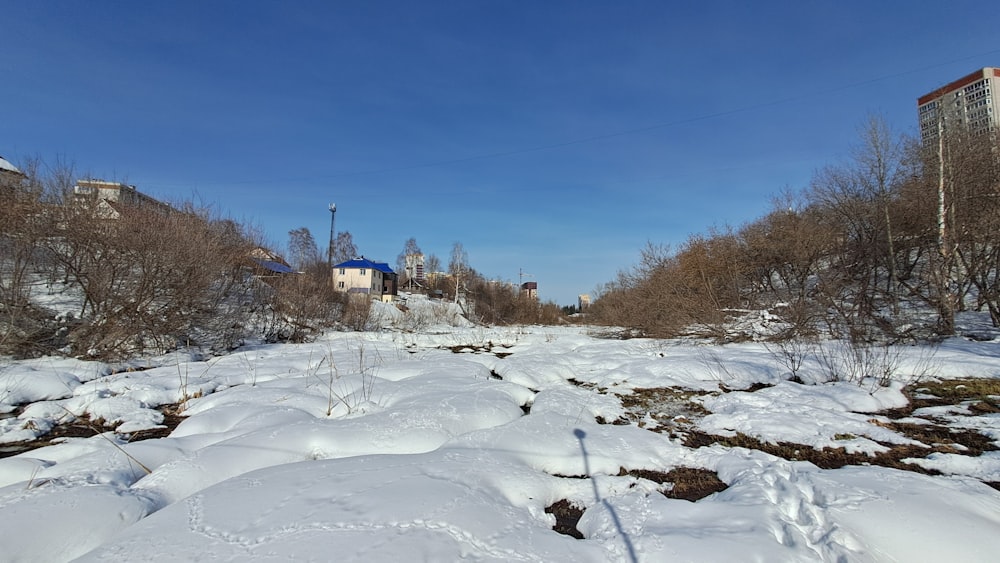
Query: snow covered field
{"points": [[450, 445]]}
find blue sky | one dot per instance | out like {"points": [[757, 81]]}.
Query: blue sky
{"points": [[555, 138]]}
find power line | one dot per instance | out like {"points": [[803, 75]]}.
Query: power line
{"points": [[622, 133], [661, 125]]}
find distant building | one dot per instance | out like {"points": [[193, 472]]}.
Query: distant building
{"points": [[112, 197], [530, 289], [9, 174], [268, 264], [365, 277], [969, 103], [583, 302], [413, 265]]}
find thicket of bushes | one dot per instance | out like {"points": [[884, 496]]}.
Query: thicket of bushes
{"points": [[498, 303], [902, 233], [142, 278]]}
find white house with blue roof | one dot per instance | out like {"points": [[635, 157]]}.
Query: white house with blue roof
{"points": [[366, 277]]}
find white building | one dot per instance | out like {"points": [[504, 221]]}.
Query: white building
{"points": [[363, 276], [108, 195], [414, 270], [968, 103]]}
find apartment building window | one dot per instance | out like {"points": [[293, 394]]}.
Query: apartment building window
{"points": [[363, 271]]}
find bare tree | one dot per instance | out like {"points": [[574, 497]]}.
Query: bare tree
{"points": [[303, 251], [943, 202], [405, 258], [974, 214], [861, 284], [787, 249], [433, 264], [344, 248], [458, 266], [24, 224], [879, 169]]}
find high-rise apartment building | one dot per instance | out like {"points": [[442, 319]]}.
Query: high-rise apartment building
{"points": [[968, 103]]}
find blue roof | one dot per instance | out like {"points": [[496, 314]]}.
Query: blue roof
{"points": [[366, 263], [273, 266]]}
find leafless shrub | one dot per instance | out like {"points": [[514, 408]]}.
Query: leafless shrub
{"points": [[358, 312], [25, 223], [860, 362], [150, 277], [305, 304], [416, 319], [715, 365], [792, 352]]}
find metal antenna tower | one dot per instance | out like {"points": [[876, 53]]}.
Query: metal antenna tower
{"points": [[329, 252]]}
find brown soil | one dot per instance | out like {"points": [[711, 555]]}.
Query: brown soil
{"points": [[83, 427], [688, 483], [567, 517], [675, 411]]}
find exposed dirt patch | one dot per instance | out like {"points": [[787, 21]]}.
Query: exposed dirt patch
{"points": [[675, 411], [171, 418], [567, 517], [582, 384], [752, 389], [688, 483], [488, 348], [84, 427], [955, 391], [984, 407], [617, 422], [979, 396], [79, 428], [670, 408], [943, 439], [826, 458]]}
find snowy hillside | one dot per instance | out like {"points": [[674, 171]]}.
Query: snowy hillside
{"points": [[473, 443]]}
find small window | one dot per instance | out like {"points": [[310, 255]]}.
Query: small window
{"points": [[342, 271], [340, 285], [363, 271]]}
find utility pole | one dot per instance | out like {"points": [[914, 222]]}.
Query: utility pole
{"points": [[329, 253]]}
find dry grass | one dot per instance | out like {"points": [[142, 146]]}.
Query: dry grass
{"points": [[941, 440], [676, 409], [84, 427], [672, 408], [687, 483], [488, 348], [982, 392]]}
